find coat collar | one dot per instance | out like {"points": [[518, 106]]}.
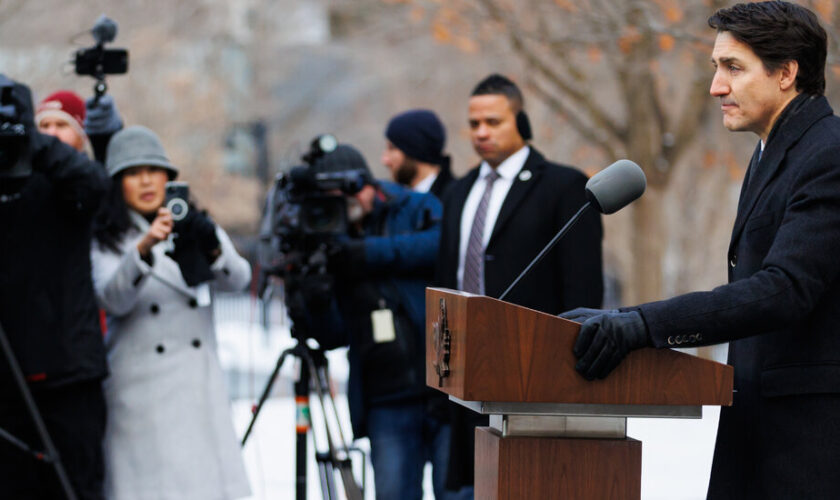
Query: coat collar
{"points": [[525, 180], [799, 116]]}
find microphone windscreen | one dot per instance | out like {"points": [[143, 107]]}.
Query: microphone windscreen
{"points": [[616, 186]]}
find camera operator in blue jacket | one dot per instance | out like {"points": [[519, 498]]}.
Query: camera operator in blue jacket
{"points": [[376, 305]]}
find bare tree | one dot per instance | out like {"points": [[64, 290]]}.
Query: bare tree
{"points": [[630, 77]]}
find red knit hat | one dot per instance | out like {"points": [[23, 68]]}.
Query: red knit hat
{"points": [[65, 102], [68, 106]]}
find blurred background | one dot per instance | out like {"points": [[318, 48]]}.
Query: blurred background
{"points": [[238, 88]]}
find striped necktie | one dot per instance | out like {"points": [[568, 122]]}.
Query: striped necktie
{"points": [[474, 261]]}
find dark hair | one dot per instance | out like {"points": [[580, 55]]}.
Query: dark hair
{"points": [[778, 32], [497, 84], [112, 221]]}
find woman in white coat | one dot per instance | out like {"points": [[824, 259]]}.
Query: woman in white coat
{"points": [[169, 433]]}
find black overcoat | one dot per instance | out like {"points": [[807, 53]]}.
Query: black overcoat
{"points": [[781, 310], [47, 306]]}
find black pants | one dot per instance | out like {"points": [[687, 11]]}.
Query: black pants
{"points": [[75, 419]]}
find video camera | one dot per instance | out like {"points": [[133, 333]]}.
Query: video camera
{"points": [[97, 61], [14, 136], [307, 211]]}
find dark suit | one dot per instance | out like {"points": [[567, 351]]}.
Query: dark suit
{"points": [[781, 309], [442, 182], [535, 208]]}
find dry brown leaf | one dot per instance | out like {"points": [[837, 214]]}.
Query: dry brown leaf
{"points": [[666, 42]]}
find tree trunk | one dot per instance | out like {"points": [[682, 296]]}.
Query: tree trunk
{"points": [[646, 247]]}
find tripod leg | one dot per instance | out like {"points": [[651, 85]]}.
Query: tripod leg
{"points": [[302, 425], [264, 396], [52, 452], [344, 465]]}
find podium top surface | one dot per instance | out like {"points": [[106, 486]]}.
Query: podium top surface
{"points": [[499, 352]]}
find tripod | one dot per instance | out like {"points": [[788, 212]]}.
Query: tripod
{"points": [[314, 373], [49, 456]]}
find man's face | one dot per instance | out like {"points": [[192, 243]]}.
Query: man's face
{"points": [[493, 128], [751, 98], [59, 128], [403, 169]]}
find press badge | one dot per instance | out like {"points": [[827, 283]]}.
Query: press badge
{"points": [[383, 324]]}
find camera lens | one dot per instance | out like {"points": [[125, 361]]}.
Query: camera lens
{"points": [[178, 208]]}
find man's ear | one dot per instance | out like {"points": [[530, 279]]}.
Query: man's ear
{"points": [[787, 75]]}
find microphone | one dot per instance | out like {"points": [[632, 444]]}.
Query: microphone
{"points": [[616, 186], [608, 191]]}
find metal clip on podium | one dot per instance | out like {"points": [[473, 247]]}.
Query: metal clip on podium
{"points": [[552, 433]]}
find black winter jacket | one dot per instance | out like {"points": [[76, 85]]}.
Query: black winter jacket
{"points": [[47, 305]]}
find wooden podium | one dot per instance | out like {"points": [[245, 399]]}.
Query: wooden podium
{"points": [[552, 433]]}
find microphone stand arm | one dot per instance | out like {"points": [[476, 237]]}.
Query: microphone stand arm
{"points": [[547, 248]]}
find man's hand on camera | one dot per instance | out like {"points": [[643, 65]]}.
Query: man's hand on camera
{"points": [[605, 339], [102, 117], [348, 258], [158, 231]]}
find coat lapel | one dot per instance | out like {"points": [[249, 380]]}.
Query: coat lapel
{"points": [[760, 173], [456, 199], [527, 177]]}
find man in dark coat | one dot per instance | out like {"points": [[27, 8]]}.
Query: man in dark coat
{"points": [[781, 437], [377, 307], [414, 152], [48, 311], [498, 218]]}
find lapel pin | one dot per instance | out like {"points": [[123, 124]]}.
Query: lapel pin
{"points": [[525, 175]]}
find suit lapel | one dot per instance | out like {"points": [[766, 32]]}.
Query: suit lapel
{"points": [[791, 128], [522, 184], [456, 199]]}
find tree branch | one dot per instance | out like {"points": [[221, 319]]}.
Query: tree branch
{"points": [[598, 116], [586, 131]]}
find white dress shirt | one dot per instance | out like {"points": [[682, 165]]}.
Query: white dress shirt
{"points": [[507, 170], [426, 184]]}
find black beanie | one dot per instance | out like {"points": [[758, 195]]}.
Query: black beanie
{"points": [[419, 134]]}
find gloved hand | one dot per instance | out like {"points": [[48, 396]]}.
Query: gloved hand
{"points": [[194, 265], [348, 258], [102, 117], [199, 227], [605, 339], [581, 314]]}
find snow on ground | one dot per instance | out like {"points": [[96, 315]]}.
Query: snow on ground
{"points": [[676, 453]]}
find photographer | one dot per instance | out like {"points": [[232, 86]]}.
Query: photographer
{"points": [[169, 432], [48, 196], [377, 307]]}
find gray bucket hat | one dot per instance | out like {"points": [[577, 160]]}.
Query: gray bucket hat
{"points": [[136, 146]]}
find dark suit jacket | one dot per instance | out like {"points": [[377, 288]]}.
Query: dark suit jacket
{"points": [[534, 210], [442, 183], [781, 309]]}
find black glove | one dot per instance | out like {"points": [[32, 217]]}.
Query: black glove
{"points": [[348, 258], [605, 339], [196, 246], [194, 265], [102, 117], [199, 227], [582, 314]]}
